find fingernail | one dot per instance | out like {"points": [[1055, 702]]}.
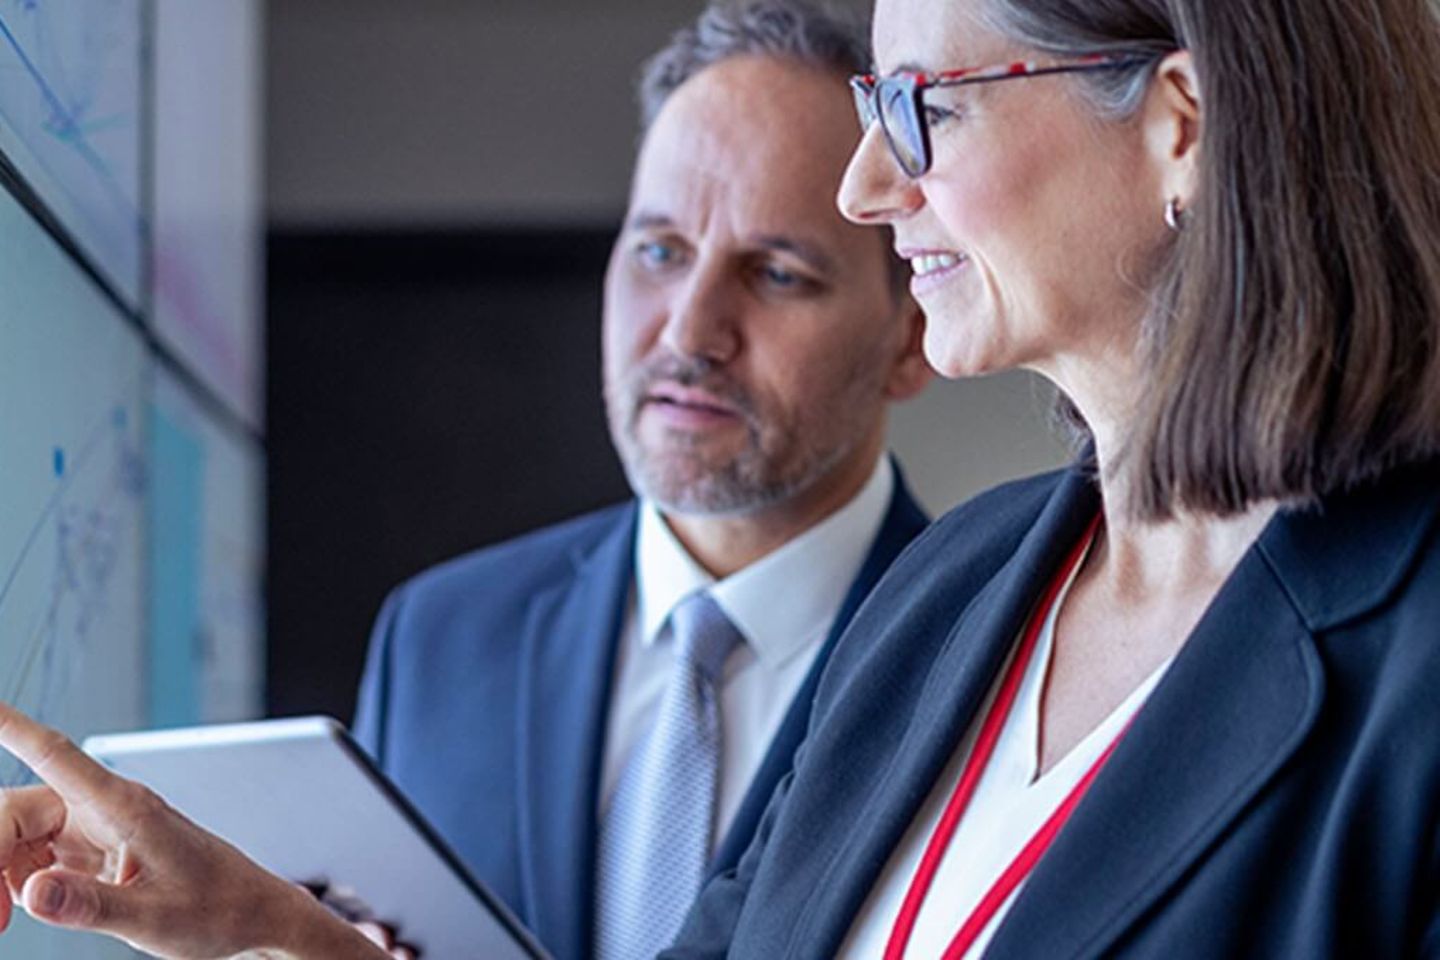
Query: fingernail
{"points": [[52, 898]]}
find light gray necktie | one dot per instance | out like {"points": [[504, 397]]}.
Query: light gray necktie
{"points": [[655, 839]]}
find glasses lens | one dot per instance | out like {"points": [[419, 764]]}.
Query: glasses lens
{"points": [[864, 93], [895, 97]]}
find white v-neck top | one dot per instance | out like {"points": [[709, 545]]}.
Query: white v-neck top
{"points": [[1009, 806]]}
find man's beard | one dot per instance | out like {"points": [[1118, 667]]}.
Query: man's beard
{"points": [[773, 465]]}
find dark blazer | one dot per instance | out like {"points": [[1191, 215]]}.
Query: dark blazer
{"points": [[486, 694], [1278, 796]]}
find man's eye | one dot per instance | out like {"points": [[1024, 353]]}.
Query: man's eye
{"points": [[656, 254], [778, 279], [778, 276]]}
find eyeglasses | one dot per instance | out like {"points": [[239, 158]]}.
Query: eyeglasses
{"points": [[897, 100]]}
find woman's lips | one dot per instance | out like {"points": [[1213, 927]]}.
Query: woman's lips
{"points": [[933, 268]]}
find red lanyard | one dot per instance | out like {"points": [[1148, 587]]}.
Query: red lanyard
{"points": [[979, 758]]}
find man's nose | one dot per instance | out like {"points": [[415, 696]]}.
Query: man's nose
{"points": [[703, 318]]}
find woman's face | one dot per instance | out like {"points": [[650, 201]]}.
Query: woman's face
{"points": [[1031, 231]]}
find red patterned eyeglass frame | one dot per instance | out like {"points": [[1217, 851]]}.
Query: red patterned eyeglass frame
{"points": [[877, 97]]}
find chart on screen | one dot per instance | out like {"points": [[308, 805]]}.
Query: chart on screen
{"points": [[131, 444], [207, 176], [72, 518], [71, 105]]}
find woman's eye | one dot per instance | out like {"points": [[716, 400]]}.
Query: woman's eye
{"points": [[936, 116]]}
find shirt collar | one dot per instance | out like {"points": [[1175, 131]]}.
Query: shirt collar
{"points": [[782, 601]]}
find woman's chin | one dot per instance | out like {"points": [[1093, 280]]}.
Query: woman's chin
{"points": [[958, 347], [956, 362]]}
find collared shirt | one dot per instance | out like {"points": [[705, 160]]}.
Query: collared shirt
{"points": [[783, 604], [1012, 801]]}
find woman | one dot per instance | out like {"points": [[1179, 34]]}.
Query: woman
{"points": [[1183, 706], [1175, 701]]}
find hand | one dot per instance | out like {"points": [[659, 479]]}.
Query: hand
{"points": [[384, 937], [94, 851], [347, 906]]}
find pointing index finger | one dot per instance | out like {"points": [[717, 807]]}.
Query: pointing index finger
{"points": [[53, 758]]}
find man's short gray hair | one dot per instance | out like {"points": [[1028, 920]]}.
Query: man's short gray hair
{"points": [[800, 30]]}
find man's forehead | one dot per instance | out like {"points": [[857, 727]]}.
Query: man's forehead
{"points": [[764, 142], [699, 205]]}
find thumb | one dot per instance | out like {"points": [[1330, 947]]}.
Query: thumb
{"points": [[66, 899]]}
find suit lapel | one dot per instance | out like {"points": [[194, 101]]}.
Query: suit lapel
{"points": [[958, 680], [1236, 703], [566, 666], [903, 522]]}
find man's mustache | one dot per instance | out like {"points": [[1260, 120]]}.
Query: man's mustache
{"points": [[696, 375]]}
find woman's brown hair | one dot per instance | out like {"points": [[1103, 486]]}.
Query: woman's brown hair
{"points": [[1293, 348]]}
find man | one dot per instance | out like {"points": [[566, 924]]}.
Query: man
{"points": [[546, 703]]}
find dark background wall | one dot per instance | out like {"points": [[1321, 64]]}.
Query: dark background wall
{"points": [[433, 392]]}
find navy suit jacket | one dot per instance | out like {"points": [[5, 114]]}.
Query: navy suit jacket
{"points": [[1278, 796], [486, 694]]}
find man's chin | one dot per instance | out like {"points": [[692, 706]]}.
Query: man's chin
{"points": [[713, 492]]}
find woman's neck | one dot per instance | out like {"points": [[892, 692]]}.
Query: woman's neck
{"points": [[1150, 561], [1146, 557]]}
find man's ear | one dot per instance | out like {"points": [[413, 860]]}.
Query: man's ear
{"points": [[909, 373], [1173, 123]]}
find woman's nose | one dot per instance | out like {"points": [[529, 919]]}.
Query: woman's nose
{"points": [[875, 190]]}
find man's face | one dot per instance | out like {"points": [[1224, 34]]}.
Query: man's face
{"points": [[751, 335]]}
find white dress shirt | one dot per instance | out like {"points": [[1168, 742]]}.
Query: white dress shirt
{"points": [[1010, 804], [783, 604]]}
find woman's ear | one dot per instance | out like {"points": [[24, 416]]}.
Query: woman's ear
{"points": [[1173, 120]]}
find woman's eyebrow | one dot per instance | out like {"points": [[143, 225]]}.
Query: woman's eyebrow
{"points": [[909, 66]]}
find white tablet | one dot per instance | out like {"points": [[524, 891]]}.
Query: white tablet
{"points": [[303, 800]]}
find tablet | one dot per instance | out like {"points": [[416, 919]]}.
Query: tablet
{"points": [[302, 799]]}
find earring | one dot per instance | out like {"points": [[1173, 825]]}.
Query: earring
{"points": [[1175, 216]]}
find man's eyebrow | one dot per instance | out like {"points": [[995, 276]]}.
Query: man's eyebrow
{"points": [[648, 220], [808, 252]]}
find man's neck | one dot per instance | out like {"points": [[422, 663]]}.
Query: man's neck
{"points": [[723, 545]]}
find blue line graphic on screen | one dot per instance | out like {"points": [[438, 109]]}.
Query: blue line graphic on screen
{"points": [[65, 123], [89, 540], [70, 102]]}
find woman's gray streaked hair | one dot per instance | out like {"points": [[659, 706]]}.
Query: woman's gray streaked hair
{"points": [[1116, 94], [799, 30]]}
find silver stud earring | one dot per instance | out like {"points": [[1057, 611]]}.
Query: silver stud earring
{"points": [[1175, 217]]}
